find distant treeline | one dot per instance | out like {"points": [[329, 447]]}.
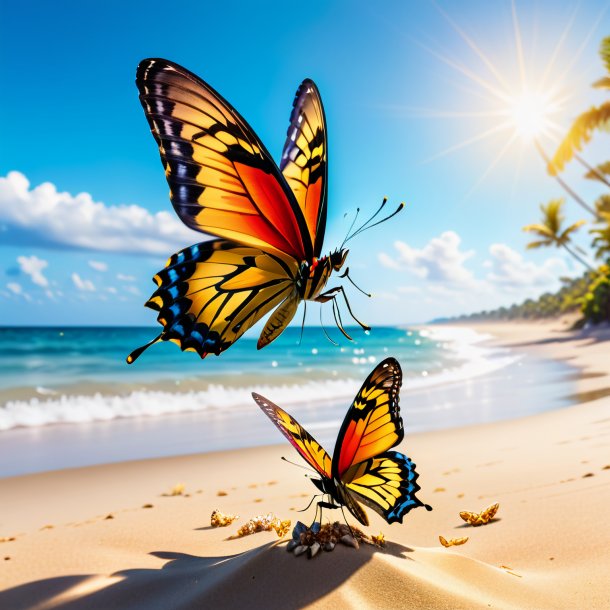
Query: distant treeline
{"points": [[588, 294]]}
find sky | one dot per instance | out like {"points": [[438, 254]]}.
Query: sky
{"points": [[410, 91]]}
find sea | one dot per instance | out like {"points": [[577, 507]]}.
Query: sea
{"points": [[69, 399]]}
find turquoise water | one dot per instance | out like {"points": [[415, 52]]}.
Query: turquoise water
{"points": [[68, 398], [52, 357]]}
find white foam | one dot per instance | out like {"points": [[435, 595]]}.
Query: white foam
{"points": [[461, 344]]}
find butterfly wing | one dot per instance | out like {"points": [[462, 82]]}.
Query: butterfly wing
{"points": [[373, 423], [208, 295], [311, 451], [386, 483], [222, 179], [304, 160]]}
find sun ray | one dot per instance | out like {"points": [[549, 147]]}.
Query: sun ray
{"points": [[557, 49], [481, 136], [421, 112], [492, 165], [519, 44], [498, 93], [582, 47], [468, 40]]}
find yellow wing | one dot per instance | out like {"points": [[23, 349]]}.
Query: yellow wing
{"points": [[313, 453], [211, 293], [387, 484]]}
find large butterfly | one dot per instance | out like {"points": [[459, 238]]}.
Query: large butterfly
{"points": [[268, 222], [362, 468]]}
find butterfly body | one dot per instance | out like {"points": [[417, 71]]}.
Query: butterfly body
{"points": [[266, 222], [362, 470]]}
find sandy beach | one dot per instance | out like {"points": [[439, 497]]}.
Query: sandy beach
{"points": [[112, 536]]}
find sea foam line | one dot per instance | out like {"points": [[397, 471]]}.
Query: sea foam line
{"points": [[463, 343]]}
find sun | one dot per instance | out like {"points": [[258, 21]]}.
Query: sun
{"points": [[531, 112], [526, 101]]}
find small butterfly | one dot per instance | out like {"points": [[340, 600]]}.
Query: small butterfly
{"points": [[361, 469], [482, 518], [268, 223]]}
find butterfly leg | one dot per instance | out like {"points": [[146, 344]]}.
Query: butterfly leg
{"points": [[324, 330], [338, 320], [332, 294], [346, 523], [364, 326], [346, 274], [331, 505]]}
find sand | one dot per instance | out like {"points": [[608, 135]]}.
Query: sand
{"points": [[108, 537]]}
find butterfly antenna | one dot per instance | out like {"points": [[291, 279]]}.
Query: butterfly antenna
{"points": [[385, 200], [303, 323], [324, 330], [366, 226], [350, 228], [298, 465], [346, 274]]}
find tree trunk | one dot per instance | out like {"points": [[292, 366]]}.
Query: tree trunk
{"points": [[578, 257], [565, 187]]}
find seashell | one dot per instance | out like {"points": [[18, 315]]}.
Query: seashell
{"points": [[313, 549], [299, 550], [344, 529], [348, 540], [329, 546], [293, 544]]}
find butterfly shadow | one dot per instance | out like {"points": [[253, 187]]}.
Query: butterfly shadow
{"points": [[267, 576]]}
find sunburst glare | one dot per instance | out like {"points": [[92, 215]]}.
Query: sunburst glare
{"points": [[531, 112], [528, 108]]}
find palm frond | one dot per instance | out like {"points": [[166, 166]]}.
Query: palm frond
{"points": [[602, 83], [602, 168], [539, 244], [596, 118]]}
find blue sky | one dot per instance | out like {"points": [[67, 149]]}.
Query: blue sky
{"points": [[82, 248]]}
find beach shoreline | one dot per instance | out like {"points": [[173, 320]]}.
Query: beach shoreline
{"points": [[87, 538]]}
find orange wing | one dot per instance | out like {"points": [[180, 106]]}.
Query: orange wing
{"points": [[305, 160], [373, 423], [222, 179], [313, 453]]}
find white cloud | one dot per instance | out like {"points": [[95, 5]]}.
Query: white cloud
{"points": [[440, 260], [17, 289], [81, 284], [111, 290], [132, 290], [509, 269], [42, 216], [98, 266], [125, 278], [34, 266]]}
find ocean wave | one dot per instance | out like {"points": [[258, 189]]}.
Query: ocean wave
{"points": [[462, 345]]}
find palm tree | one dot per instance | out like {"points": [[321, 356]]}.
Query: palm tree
{"points": [[552, 233], [601, 241], [594, 119]]}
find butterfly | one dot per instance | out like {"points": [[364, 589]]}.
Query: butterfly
{"points": [[267, 223], [362, 469]]}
